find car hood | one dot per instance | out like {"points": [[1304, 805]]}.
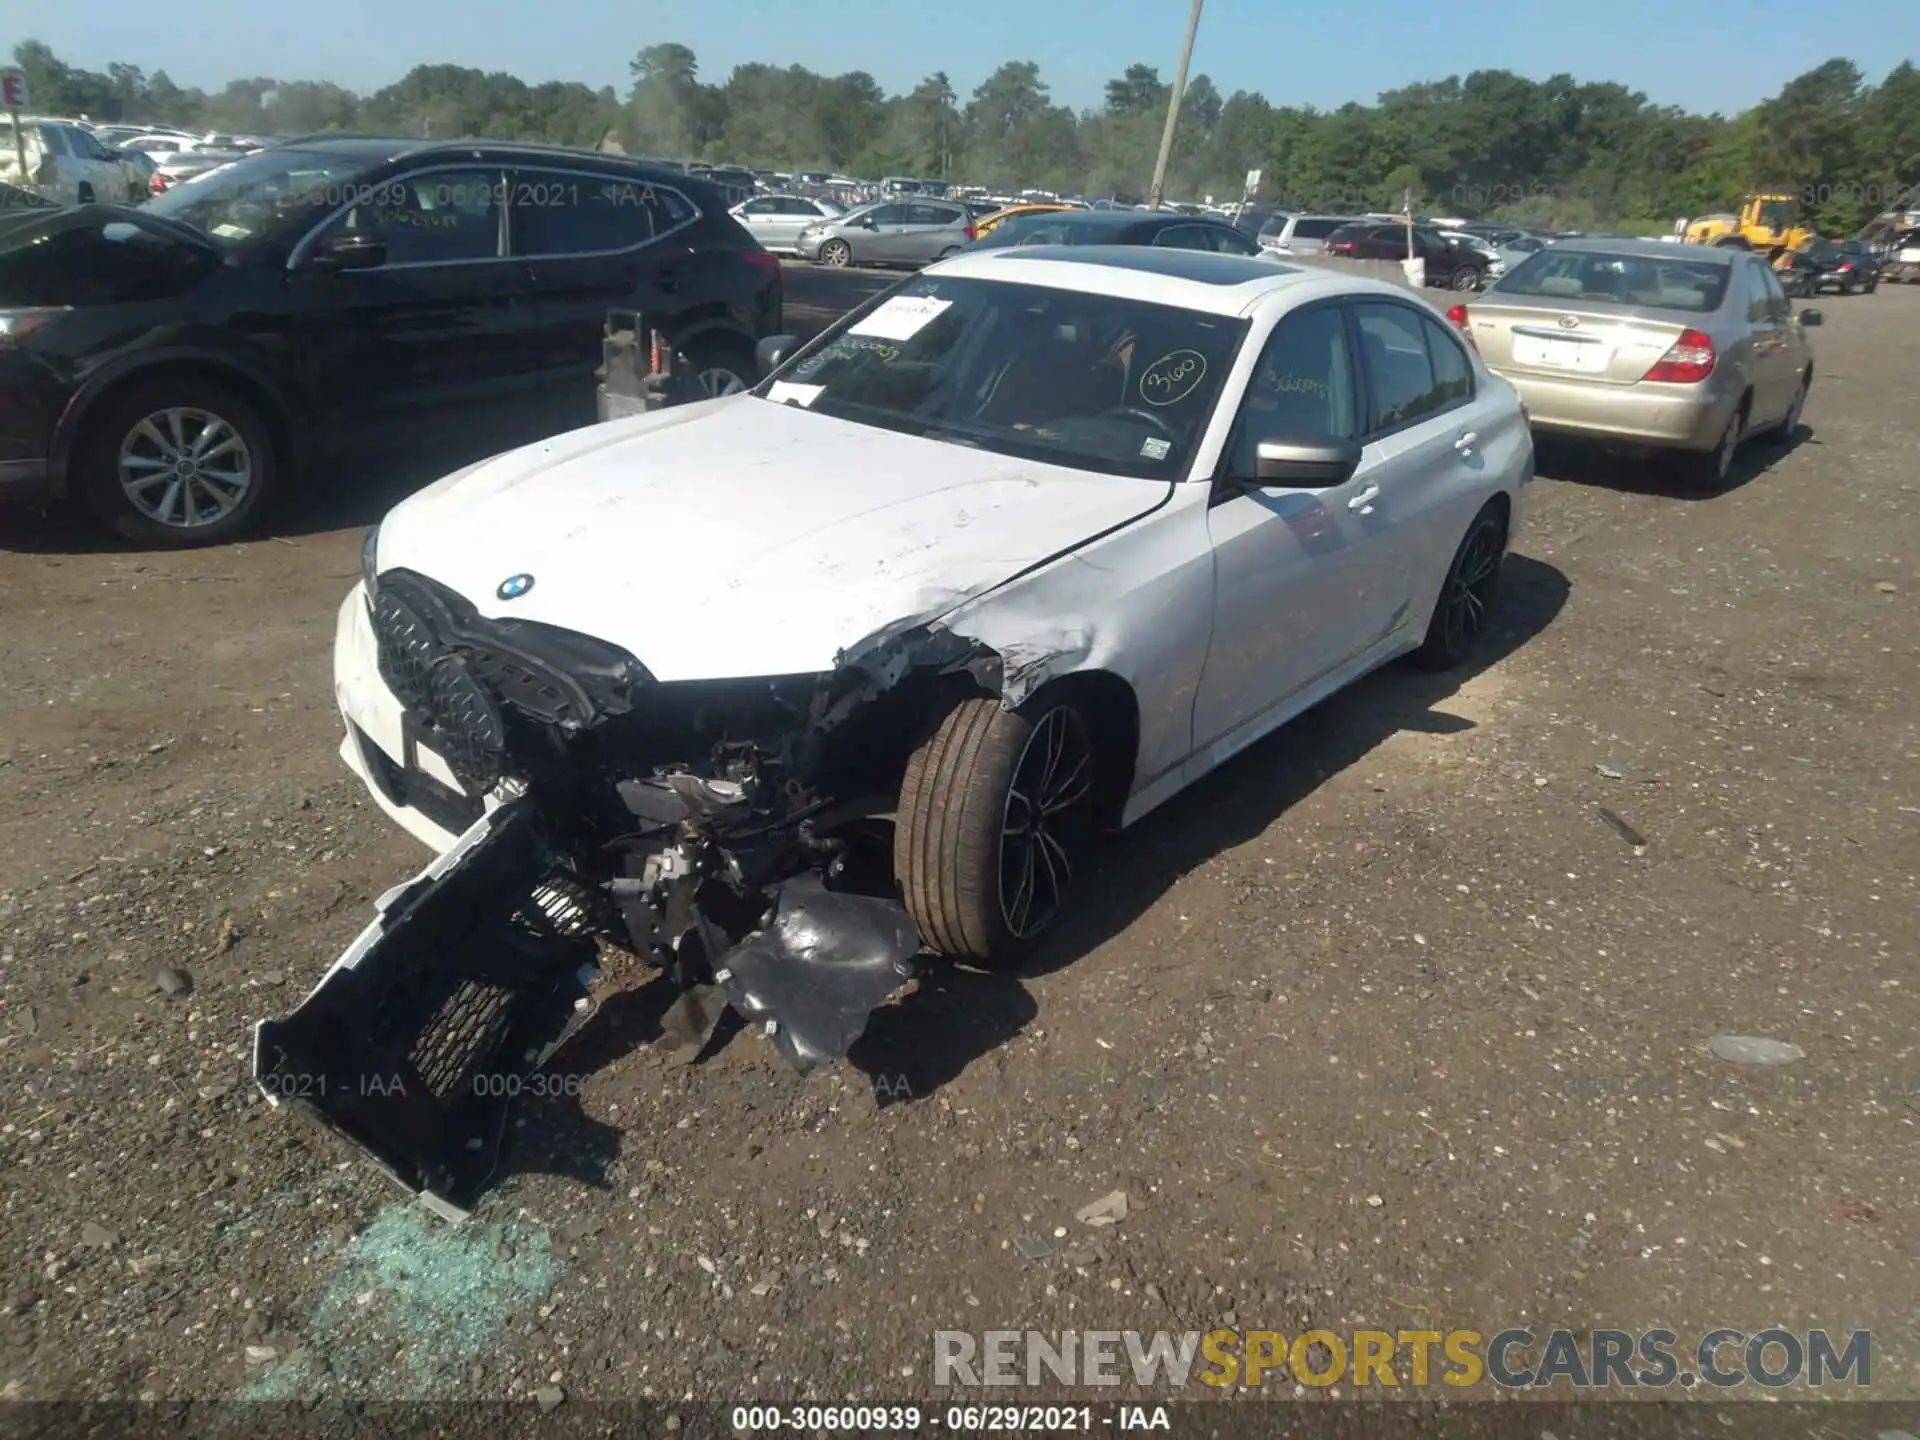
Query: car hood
{"points": [[95, 254], [740, 537]]}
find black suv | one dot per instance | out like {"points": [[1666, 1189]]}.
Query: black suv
{"points": [[176, 365]]}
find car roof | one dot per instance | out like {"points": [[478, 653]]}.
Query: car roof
{"points": [[1653, 249], [1189, 279], [394, 147]]}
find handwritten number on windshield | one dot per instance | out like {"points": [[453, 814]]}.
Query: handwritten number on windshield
{"points": [[1173, 377]]}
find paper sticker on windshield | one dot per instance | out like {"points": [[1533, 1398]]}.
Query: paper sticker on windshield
{"points": [[229, 231], [788, 392], [902, 317], [1173, 377], [1154, 448]]}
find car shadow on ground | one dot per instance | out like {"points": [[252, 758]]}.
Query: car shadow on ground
{"points": [[1656, 474], [1240, 800]]}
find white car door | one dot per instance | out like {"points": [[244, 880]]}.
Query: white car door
{"points": [[1292, 593], [93, 167]]}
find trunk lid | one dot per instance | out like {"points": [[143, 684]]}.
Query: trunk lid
{"points": [[1558, 339]]}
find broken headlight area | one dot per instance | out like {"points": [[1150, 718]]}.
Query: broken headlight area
{"points": [[731, 833]]}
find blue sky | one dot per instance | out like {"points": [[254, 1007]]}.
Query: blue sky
{"points": [[1696, 53]]}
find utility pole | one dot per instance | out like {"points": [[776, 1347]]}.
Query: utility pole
{"points": [[1173, 111]]}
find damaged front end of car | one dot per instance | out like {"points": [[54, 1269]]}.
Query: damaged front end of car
{"points": [[729, 833]]}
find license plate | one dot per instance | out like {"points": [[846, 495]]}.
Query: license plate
{"points": [[1555, 354]]}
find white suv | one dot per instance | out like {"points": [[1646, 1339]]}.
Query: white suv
{"points": [[64, 163]]}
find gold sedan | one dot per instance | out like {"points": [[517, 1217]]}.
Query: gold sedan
{"points": [[1641, 343], [984, 225]]}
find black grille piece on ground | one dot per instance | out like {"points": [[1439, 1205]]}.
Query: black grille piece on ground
{"points": [[416, 1051]]}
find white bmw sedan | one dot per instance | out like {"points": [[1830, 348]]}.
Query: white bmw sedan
{"points": [[784, 689]]}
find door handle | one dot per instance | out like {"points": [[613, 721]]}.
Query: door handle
{"points": [[668, 281], [1466, 442], [1362, 504]]}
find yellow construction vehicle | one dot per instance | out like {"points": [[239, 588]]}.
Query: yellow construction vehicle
{"points": [[1767, 223]]}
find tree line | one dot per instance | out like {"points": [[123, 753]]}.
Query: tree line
{"points": [[1558, 151]]}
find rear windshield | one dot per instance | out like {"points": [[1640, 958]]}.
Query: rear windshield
{"points": [[1316, 229], [1657, 282]]}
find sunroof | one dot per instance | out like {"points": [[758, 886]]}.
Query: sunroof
{"points": [[1201, 266]]}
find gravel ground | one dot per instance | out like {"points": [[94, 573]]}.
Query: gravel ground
{"points": [[1387, 1024]]}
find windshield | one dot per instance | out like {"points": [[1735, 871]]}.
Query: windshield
{"points": [[1561, 273], [246, 199], [1094, 382]]}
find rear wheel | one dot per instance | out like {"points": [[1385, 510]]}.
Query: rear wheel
{"points": [[1707, 470], [996, 813], [1789, 426], [1467, 595], [836, 253], [721, 365], [177, 461]]}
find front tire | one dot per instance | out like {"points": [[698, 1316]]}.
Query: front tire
{"points": [[178, 461], [836, 253], [1467, 595], [1465, 278], [996, 811]]}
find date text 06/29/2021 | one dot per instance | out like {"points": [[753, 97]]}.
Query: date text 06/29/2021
{"points": [[963, 1419]]}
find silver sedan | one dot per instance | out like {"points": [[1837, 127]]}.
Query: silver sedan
{"points": [[777, 220]]}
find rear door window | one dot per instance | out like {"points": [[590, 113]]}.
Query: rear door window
{"points": [[1452, 371], [1400, 376], [1184, 237], [564, 213]]}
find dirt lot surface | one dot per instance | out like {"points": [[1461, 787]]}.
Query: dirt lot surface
{"points": [[1387, 1024]]}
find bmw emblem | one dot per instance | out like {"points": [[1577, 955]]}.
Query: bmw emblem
{"points": [[514, 586]]}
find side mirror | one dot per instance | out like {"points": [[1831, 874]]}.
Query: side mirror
{"points": [[1306, 466], [771, 353], [1812, 316], [350, 250], [866, 222]]}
